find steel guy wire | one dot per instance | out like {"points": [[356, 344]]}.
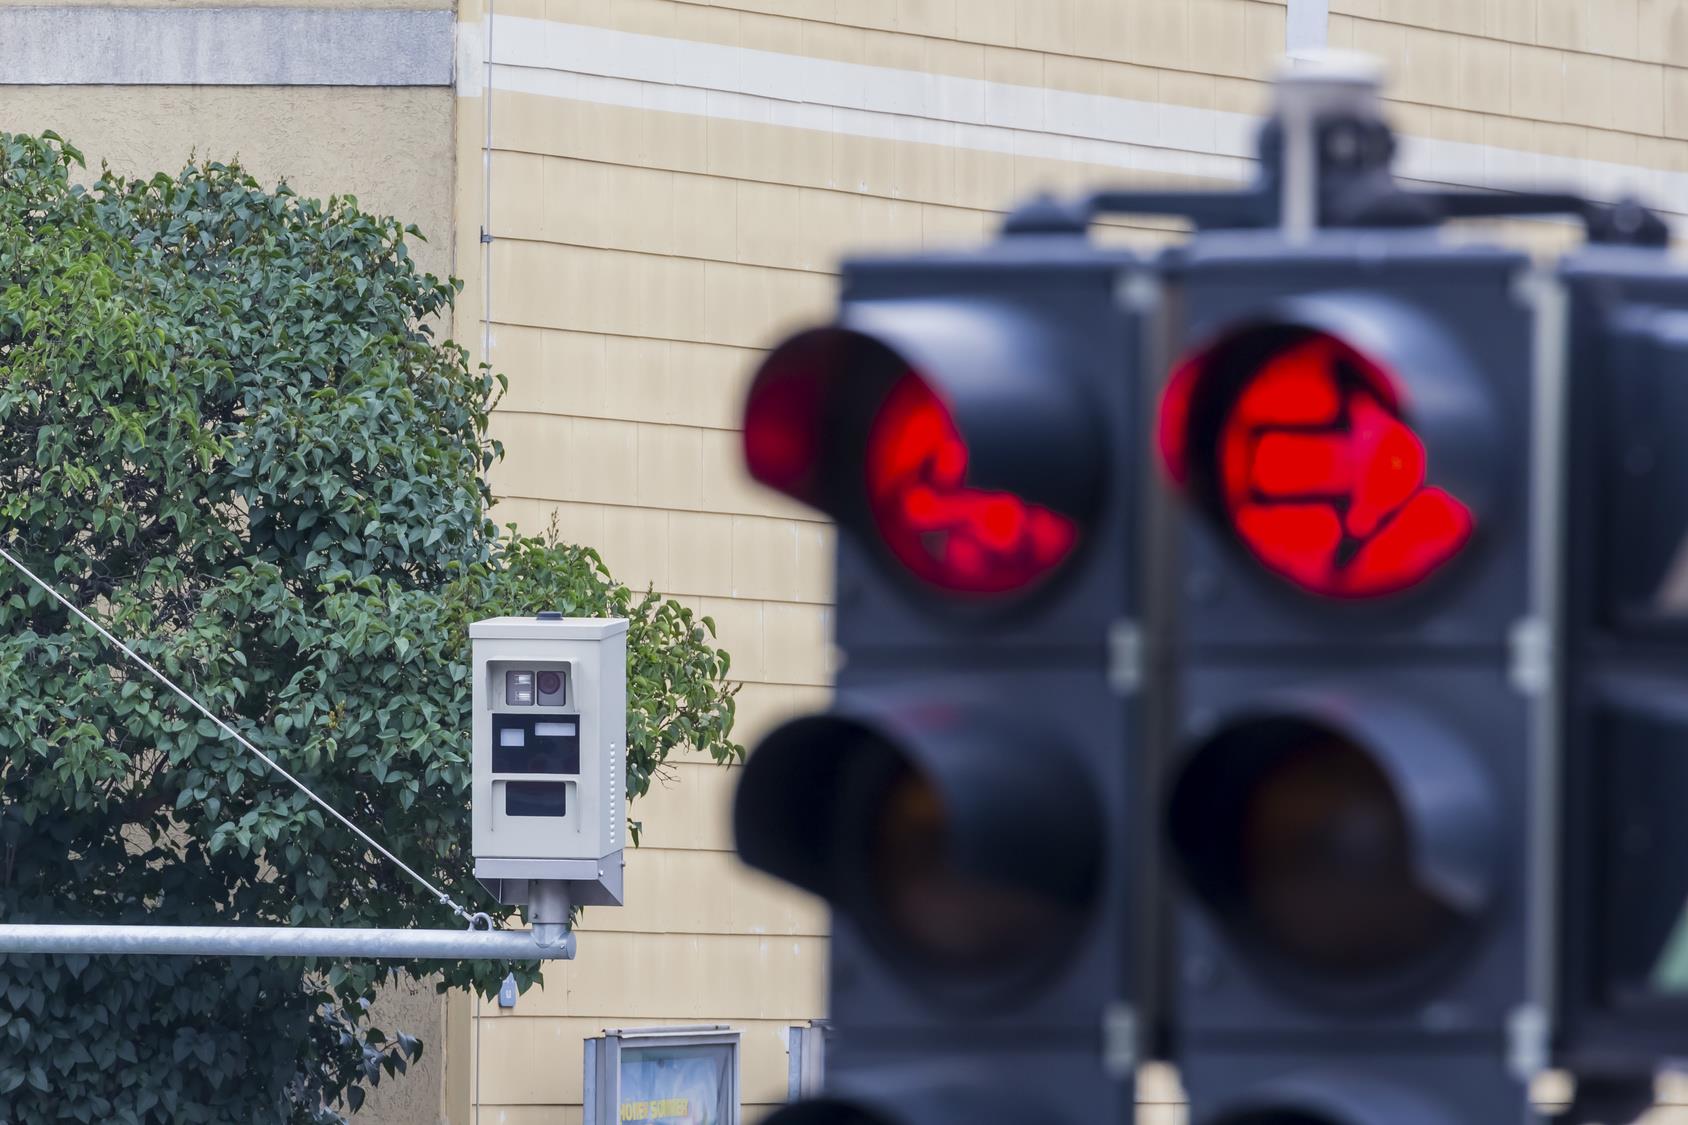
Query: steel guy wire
{"points": [[444, 899]]}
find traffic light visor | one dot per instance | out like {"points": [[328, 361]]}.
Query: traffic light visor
{"points": [[942, 435], [1330, 1098], [1301, 446], [1354, 854], [957, 846], [829, 1112]]}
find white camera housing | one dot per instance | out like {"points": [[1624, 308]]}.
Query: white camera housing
{"points": [[550, 733]]}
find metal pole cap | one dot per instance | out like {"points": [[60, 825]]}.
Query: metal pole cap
{"points": [[1328, 78]]}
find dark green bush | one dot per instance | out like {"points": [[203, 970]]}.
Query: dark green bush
{"points": [[226, 428]]}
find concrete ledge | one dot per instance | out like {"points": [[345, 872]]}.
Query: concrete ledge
{"points": [[225, 47]]}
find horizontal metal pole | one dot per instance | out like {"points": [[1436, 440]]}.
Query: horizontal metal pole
{"points": [[284, 941]]}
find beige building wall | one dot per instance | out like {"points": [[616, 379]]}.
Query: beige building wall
{"points": [[667, 187], [1605, 80]]}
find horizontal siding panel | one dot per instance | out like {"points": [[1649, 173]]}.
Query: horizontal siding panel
{"points": [[550, 457], [672, 891], [684, 977], [937, 174], [887, 32], [631, 378], [624, 293]]}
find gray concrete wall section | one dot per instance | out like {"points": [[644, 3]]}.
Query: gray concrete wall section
{"points": [[225, 47]]}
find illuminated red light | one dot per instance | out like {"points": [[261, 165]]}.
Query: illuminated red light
{"points": [[944, 530], [1323, 480]]}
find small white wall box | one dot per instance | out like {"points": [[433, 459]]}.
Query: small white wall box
{"points": [[550, 714]]}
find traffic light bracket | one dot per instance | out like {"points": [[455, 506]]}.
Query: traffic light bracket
{"points": [[1324, 161]]}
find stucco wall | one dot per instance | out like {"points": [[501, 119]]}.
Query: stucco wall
{"points": [[391, 147], [416, 1097]]}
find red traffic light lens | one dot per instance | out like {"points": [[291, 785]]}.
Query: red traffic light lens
{"points": [[947, 532], [1317, 472]]}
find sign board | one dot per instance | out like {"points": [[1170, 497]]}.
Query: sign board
{"points": [[663, 1076]]}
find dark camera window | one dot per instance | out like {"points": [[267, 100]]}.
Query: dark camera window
{"points": [[535, 744], [536, 798]]}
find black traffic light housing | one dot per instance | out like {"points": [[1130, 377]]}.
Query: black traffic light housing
{"points": [[1623, 908], [1350, 734], [1365, 1086], [972, 805]]}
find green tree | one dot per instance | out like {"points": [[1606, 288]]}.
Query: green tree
{"points": [[226, 428]]}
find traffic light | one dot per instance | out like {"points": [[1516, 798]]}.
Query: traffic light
{"points": [[1386, 661], [969, 807], [1623, 984], [1350, 742]]}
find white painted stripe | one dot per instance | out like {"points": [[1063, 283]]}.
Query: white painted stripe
{"points": [[727, 105], [259, 46], [544, 45], [736, 83], [471, 59]]}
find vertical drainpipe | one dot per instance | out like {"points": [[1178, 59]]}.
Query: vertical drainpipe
{"points": [[1307, 28], [486, 192]]}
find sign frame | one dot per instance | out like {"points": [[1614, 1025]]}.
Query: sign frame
{"points": [[601, 1092]]}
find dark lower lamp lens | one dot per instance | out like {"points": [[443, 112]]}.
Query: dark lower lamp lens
{"points": [[1298, 839], [1326, 861], [942, 909], [967, 851]]}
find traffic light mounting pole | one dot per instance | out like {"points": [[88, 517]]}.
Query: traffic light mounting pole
{"points": [[549, 900], [1324, 162], [283, 941]]}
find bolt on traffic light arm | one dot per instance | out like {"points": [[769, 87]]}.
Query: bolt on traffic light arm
{"points": [[1325, 161]]}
